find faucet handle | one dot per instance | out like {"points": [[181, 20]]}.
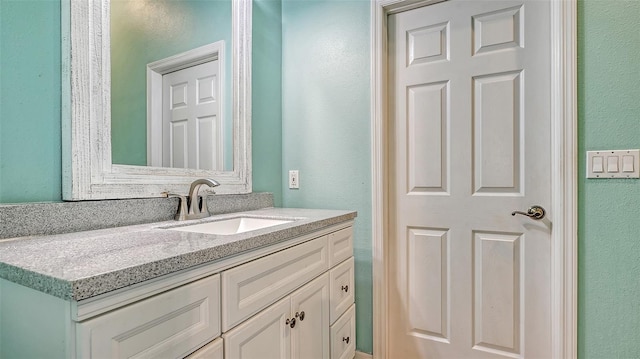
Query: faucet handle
{"points": [[182, 209]]}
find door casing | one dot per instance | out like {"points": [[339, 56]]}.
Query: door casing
{"points": [[564, 176]]}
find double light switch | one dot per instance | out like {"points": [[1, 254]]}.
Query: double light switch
{"points": [[613, 164]]}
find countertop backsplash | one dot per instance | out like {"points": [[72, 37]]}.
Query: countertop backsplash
{"points": [[31, 219]]}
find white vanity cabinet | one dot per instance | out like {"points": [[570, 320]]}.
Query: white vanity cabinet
{"points": [[315, 308], [242, 306]]}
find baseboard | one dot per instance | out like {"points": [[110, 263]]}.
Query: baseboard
{"points": [[361, 355]]}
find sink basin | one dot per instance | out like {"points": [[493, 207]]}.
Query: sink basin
{"points": [[232, 225]]}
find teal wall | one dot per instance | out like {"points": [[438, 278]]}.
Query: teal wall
{"points": [[326, 122], [143, 32], [609, 218], [325, 129], [266, 117], [30, 152]]}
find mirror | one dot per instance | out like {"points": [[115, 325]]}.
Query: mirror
{"points": [[99, 166], [171, 83]]}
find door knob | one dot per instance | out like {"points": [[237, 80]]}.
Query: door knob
{"points": [[291, 322], [534, 212]]}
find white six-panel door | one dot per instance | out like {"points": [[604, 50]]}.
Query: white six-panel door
{"points": [[469, 133], [191, 129]]}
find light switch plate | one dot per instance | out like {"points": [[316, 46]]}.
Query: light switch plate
{"points": [[613, 164]]}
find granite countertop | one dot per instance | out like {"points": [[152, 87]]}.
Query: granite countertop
{"points": [[76, 266]]}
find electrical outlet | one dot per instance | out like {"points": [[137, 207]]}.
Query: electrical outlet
{"points": [[294, 179]]}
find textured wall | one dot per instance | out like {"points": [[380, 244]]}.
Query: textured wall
{"points": [[326, 122], [30, 153], [266, 122], [145, 31], [609, 222]]}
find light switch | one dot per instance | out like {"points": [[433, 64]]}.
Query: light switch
{"points": [[627, 164], [612, 164], [597, 163]]}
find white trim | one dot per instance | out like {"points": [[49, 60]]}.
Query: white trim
{"points": [[155, 71], [86, 113], [564, 173], [564, 178]]}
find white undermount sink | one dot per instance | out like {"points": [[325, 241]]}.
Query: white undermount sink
{"points": [[232, 225]]}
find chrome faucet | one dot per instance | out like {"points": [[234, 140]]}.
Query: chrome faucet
{"points": [[195, 206]]}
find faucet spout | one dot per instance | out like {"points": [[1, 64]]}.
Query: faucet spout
{"points": [[197, 204]]}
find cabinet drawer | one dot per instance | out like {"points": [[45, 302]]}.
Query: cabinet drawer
{"points": [[213, 350], [342, 289], [340, 245], [172, 324], [343, 335], [253, 286]]}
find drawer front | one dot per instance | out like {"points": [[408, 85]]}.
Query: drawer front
{"points": [[253, 286], [342, 289], [171, 324], [340, 245], [343, 335], [213, 350]]}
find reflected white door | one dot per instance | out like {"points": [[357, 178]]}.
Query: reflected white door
{"points": [[191, 125], [470, 143]]}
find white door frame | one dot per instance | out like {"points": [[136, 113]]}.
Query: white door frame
{"points": [[564, 178], [155, 71]]}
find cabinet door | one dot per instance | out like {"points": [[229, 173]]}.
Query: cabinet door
{"points": [[168, 325], [310, 336], [265, 336]]}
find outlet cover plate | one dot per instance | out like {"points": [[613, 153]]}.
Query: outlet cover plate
{"points": [[294, 179]]}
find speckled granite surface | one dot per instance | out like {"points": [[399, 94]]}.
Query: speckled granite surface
{"points": [[31, 219], [81, 265]]}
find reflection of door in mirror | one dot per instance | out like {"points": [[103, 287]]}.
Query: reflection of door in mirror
{"points": [[144, 32], [190, 127]]}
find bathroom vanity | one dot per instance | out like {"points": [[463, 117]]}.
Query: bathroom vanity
{"points": [[148, 291]]}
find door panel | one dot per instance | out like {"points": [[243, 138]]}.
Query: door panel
{"points": [[428, 283], [497, 286], [427, 125], [497, 104], [469, 133]]}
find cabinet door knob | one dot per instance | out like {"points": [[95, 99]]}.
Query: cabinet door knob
{"points": [[291, 322], [345, 339], [345, 288], [300, 315]]}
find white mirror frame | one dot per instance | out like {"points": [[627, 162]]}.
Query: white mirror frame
{"points": [[87, 171]]}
